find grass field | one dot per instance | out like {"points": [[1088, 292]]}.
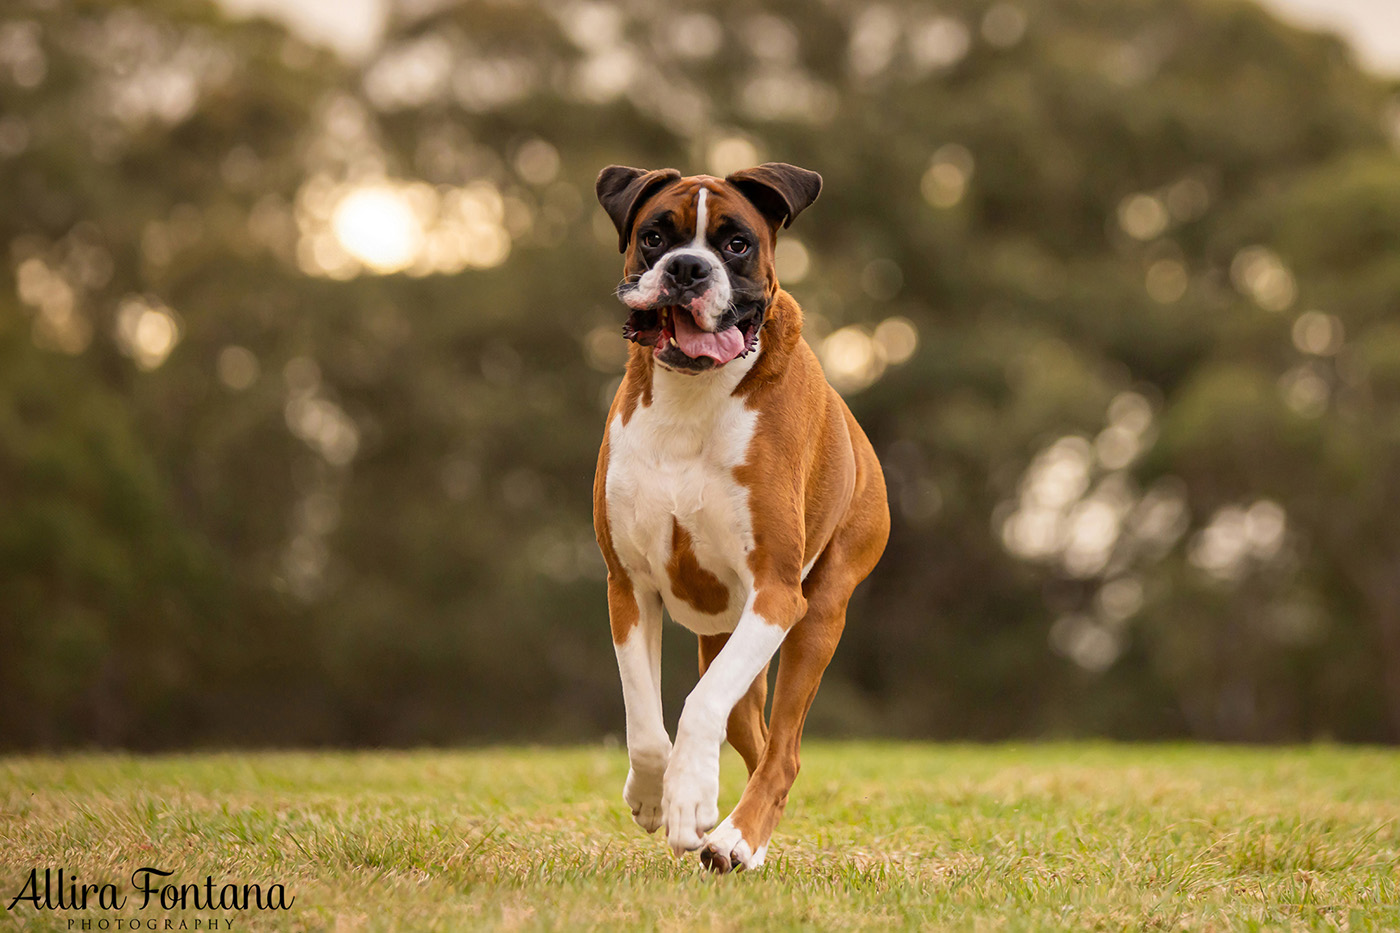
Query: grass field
{"points": [[878, 836]]}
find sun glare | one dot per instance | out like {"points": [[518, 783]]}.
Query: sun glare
{"points": [[378, 226], [386, 226]]}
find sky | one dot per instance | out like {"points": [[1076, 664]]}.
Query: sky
{"points": [[353, 26], [1372, 26]]}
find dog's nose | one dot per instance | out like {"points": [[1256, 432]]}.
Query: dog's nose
{"points": [[687, 270]]}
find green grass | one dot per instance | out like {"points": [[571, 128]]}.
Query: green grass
{"points": [[878, 836]]}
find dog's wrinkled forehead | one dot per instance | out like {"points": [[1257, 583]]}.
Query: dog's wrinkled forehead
{"points": [[680, 206], [767, 196]]}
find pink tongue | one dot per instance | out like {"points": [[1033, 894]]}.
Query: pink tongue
{"points": [[695, 343]]}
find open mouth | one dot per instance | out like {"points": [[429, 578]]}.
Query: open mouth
{"points": [[679, 341]]}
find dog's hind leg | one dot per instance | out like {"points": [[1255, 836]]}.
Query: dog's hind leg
{"points": [[741, 840]]}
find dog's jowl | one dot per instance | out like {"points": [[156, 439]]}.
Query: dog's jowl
{"points": [[734, 490]]}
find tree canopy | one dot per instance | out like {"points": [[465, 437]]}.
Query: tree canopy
{"points": [[304, 364]]}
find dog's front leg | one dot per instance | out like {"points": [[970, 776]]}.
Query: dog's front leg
{"points": [[691, 800], [636, 628]]}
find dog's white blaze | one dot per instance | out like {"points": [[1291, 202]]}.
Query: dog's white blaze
{"points": [[701, 218], [707, 309]]}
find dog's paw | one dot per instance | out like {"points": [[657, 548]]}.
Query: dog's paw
{"points": [[642, 794], [726, 849], [690, 799]]}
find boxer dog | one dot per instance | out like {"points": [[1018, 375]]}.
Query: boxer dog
{"points": [[734, 489]]}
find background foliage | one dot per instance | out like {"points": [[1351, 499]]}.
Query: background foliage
{"points": [[303, 365]]}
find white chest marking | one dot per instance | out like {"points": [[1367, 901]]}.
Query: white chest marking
{"points": [[673, 462]]}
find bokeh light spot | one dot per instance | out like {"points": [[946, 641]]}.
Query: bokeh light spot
{"points": [[537, 162], [945, 181], [730, 154], [694, 35], [1318, 334], [791, 260], [1167, 281], [1142, 216], [898, 338], [1259, 273], [851, 358], [938, 42], [147, 331], [238, 367]]}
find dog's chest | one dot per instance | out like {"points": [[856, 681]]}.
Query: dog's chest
{"points": [[679, 519]]}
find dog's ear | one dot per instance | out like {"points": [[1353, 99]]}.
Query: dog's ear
{"points": [[780, 191], [622, 190]]}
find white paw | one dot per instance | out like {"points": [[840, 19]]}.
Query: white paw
{"points": [[690, 798], [725, 849], [642, 794]]}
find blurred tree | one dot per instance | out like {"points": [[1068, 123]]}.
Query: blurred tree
{"points": [[305, 364]]}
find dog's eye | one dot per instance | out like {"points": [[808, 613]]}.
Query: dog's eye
{"points": [[738, 246], [651, 239]]}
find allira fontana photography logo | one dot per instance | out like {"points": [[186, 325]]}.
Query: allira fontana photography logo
{"points": [[150, 889]]}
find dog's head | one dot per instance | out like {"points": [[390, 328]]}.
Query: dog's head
{"points": [[699, 273]]}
